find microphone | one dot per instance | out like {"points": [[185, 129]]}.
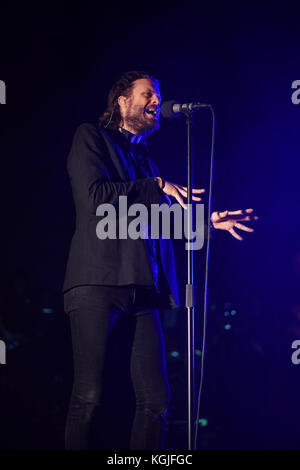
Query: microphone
{"points": [[171, 109]]}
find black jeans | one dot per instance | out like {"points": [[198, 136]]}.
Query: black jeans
{"points": [[93, 312]]}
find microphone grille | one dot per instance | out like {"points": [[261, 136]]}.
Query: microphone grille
{"points": [[167, 109]]}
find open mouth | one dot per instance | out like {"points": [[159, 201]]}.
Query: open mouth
{"points": [[152, 112]]}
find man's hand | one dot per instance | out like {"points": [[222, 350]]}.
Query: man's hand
{"points": [[228, 220], [175, 190]]}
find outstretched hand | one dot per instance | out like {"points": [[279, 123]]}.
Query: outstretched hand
{"points": [[229, 220], [177, 191]]}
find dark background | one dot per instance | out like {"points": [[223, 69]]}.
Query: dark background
{"points": [[58, 63]]}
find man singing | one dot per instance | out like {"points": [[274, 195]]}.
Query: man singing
{"points": [[112, 278]]}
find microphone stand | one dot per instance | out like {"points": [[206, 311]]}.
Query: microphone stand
{"points": [[189, 294]]}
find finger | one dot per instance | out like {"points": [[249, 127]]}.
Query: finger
{"points": [[195, 191], [248, 218], [180, 200], [184, 193], [177, 196], [235, 235], [223, 214], [244, 227], [240, 211], [181, 190]]}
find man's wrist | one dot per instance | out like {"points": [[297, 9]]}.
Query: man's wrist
{"points": [[160, 181]]}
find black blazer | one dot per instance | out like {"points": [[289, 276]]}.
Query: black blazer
{"points": [[100, 173]]}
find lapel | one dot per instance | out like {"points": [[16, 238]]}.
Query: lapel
{"points": [[125, 171], [153, 168]]}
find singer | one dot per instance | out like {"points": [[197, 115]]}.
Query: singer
{"points": [[109, 279]]}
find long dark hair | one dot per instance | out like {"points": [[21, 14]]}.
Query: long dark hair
{"points": [[111, 117]]}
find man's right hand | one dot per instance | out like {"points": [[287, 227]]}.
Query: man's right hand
{"points": [[175, 190]]}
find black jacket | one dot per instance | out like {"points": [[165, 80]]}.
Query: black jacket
{"points": [[100, 172]]}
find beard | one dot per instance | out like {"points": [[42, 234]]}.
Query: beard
{"points": [[140, 122]]}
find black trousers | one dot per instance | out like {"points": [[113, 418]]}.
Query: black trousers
{"points": [[93, 312]]}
